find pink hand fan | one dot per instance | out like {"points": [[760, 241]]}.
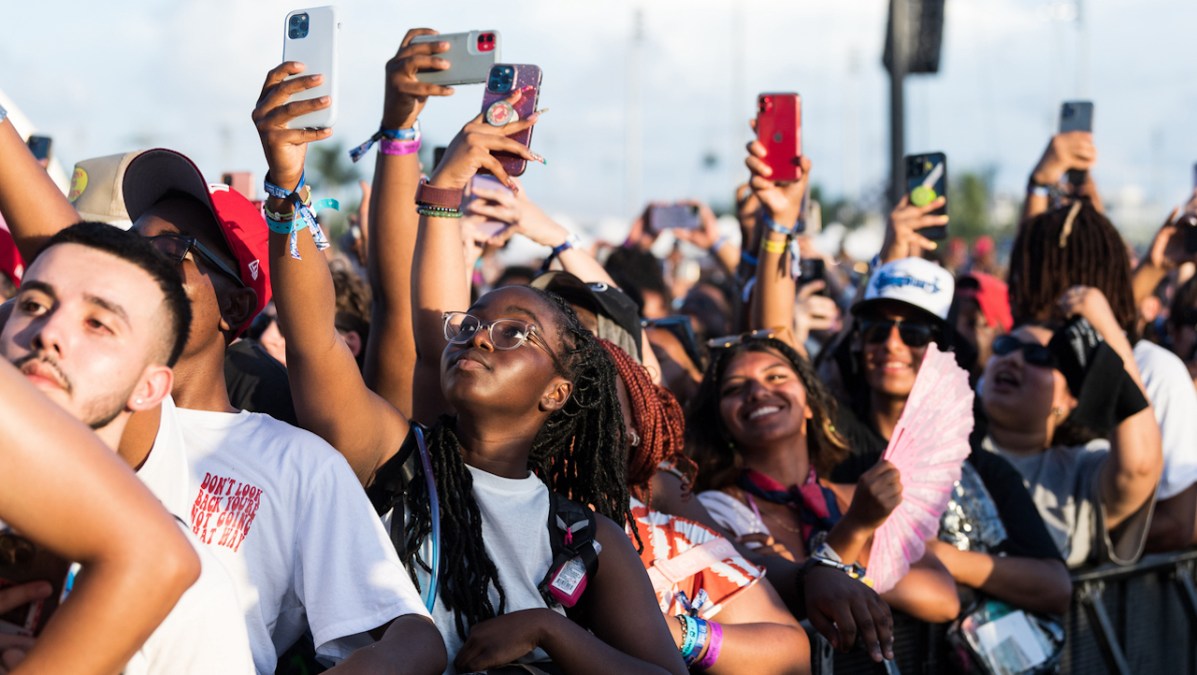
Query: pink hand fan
{"points": [[928, 446]]}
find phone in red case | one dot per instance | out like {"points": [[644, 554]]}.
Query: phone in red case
{"points": [[779, 129], [504, 79]]}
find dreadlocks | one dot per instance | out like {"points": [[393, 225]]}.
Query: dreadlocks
{"points": [[1069, 246], [658, 420], [579, 453], [718, 461]]}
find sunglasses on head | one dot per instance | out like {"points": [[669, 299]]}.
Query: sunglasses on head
{"points": [[728, 341], [177, 246], [1033, 353], [912, 333]]}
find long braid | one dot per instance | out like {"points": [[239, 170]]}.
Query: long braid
{"points": [[718, 461], [1054, 252], [659, 422], [579, 452]]}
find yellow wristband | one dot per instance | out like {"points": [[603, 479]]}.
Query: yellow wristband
{"points": [[774, 246]]}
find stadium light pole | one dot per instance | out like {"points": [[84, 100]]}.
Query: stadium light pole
{"points": [[899, 36]]}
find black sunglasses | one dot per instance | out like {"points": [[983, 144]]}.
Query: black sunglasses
{"points": [[1032, 352], [914, 334], [176, 246]]}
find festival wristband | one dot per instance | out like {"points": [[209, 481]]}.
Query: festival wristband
{"points": [[389, 147], [570, 242], [409, 135], [303, 213], [713, 647], [689, 634], [719, 243], [773, 246], [768, 221]]}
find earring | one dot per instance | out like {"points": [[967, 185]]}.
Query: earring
{"points": [[137, 401], [1058, 411], [634, 438]]}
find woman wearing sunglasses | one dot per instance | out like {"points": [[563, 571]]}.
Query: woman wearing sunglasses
{"points": [[1096, 497]]}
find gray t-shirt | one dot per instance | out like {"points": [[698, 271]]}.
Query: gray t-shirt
{"points": [[1065, 484]]}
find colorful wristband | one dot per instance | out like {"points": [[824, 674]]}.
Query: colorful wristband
{"points": [[303, 213], [773, 246], [389, 147], [409, 135], [767, 219], [713, 647]]}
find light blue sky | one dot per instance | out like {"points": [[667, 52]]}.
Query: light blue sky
{"points": [[103, 77]]}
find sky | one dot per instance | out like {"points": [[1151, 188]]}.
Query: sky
{"points": [[670, 107]]}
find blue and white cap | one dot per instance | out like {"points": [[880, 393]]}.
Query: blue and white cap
{"points": [[913, 281]]}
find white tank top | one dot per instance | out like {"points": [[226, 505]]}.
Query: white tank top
{"points": [[515, 513]]}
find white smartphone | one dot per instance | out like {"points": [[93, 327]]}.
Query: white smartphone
{"points": [[470, 57], [310, 36]]}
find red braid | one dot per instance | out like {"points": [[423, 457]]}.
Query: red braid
{"points": [[658, 420]]}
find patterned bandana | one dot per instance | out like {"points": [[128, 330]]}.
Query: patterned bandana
{"points": [[814, 504]]}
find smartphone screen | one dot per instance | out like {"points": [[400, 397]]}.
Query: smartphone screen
{"points": [[779, 129], [488, 228], [504, 79], [673, 217], [926, 181], [40, 147]]}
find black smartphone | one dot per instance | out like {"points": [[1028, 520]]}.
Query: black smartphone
{"points": [[1076, 116], [926, 181], [40, 147], [811, 270], [438, 153], [1188, 225]]}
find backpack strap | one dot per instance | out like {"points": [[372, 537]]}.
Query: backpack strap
{"points": [[389, 490], [572, 529]]}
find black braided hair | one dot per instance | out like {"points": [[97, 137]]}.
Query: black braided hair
{"points": [[707, 437], [1048, 259], [580, 453]]}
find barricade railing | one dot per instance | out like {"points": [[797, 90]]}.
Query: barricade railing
{"points": [[1134, 620]]}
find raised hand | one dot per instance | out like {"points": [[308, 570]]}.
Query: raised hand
{"points": [[1073, 150], [285, 147], [405, 95], [471, 150], [902, 238]]}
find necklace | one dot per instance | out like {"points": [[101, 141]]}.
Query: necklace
{"points": [[776, 519]]}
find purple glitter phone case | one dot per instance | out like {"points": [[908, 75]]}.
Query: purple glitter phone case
{"points": [[503, 80]]}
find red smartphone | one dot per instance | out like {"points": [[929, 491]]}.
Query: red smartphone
{"points": [[779, 129], [505, 78]]}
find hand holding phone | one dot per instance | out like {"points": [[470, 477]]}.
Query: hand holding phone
{"points": [[662, 217], [310, 37], [927, 181], [503, 80], [470, 55], [1076, 116]]}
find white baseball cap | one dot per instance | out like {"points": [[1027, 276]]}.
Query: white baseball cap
{"points": [[912, 281]]}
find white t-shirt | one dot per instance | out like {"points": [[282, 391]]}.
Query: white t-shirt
{"points": [[515, 532], [284, 513], [1174, 400], [205, 632], [732, 515]]}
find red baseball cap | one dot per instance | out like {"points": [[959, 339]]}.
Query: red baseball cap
{"points": [[992, 297], [11, 263], [154, 173]]}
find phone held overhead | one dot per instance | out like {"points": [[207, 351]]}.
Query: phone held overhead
{"points": [[503, 80], [470, 55], [1076, 116], [926, 181], [310, 36], [779, 129]]}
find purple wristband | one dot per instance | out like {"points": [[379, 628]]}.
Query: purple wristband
{"points": [[389, 147], [712, 647]]}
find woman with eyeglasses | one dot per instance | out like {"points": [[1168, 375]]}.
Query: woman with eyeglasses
{"points": [[1044, 403], [523, 419]]}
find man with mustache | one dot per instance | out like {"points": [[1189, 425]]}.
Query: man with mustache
{"points": [[98, 320]]}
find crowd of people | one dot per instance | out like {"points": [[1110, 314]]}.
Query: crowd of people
{"points": [[397, 458]]}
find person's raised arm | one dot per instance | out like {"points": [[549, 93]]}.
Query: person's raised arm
{"points": [[32, 205], [393, 223], [772, 302], [136, 561], [1136, 460], [525, 217], [331, 398], [439, 282], [1069, 151], [902, 238], [1167, 252]]}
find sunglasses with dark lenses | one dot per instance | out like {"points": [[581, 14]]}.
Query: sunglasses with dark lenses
{"points": [[728, 341], [1033, 353], [177, 246], [914, 334]]}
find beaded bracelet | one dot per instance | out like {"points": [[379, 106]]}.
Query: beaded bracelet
{"points": [[438, 211]]}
